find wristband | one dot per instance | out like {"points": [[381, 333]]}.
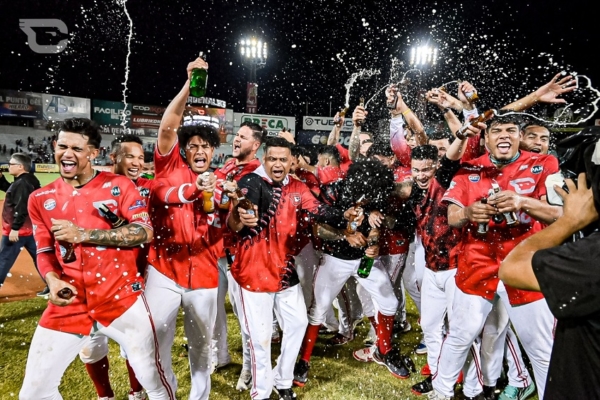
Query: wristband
{"points": [[460, 135], [406, 112], [446, 110]]}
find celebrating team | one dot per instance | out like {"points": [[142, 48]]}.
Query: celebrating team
{"points": [[121, 254]]}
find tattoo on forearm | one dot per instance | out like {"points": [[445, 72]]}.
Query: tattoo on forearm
{"points": [[354, 145], [326, 232], [128, 236]]}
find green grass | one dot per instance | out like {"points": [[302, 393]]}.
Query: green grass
{"points": [[44, 178], [334, 373]]}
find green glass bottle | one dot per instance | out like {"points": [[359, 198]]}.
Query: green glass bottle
{"points": [[364, 269], [199, 79]]}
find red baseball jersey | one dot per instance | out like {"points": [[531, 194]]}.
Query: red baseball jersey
{"points": [[395, 241], [187, 241], [398, 141], [264, 258], [345, 160], [106, 278], [478, 257]]}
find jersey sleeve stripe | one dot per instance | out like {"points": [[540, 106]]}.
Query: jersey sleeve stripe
{"points": [[181, 196], [453, 201]]}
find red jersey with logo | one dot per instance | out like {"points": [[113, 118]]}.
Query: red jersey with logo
{"points": [[396, 241], [106, 278], [478, 257], [264, 259], [187, 241], [431, 212], [345, 160]]}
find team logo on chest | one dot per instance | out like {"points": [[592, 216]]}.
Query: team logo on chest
{"points": [[523, 185], [474, 178], [536, 169], [296, 199], [50, 204], [144, 192], [115, 191]]}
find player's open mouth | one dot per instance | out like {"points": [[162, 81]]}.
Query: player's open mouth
{"points": [[200, 162], [504, 148], [277, 174], [535, 150], [68, 166], [237, 146], [133, 171]]}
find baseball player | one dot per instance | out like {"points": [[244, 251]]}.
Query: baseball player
{"points": [[520, 176], [264, 269], [127, 155], [183, 258], [246, 143], [90, 268], [341, 261]]}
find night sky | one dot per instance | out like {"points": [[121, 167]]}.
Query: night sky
{"points": [[506, 48]]}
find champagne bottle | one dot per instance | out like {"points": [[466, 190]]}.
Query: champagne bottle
{"points": [[472, 97], [225, 200], [482, 228], [362, 104], [366, 262], [69, 254], [487, 115], [509, 217], [199, 79], [352, 225], [342, 115], [244, 202], [113, 218]]}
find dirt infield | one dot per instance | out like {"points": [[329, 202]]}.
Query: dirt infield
{"points": [[23, 281]]}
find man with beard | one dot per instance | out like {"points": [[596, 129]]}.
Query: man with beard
{"points": [[520, 176], [90, 267], [183, 258], [264, 266], [246, 143]]}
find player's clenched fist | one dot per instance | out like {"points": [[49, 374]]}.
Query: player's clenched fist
{"points": [[479, 212], [57, 290], [249, 218]]}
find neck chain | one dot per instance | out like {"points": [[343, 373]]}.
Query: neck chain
{"points": [[501, 163]]}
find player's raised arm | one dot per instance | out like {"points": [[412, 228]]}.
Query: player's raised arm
{"points": [[547, 93], [171, 120]]}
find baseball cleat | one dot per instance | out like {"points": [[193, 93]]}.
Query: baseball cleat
{"points": [[365, 354], [423, 387], [301, 373], [516, 393], [285, 394], [244, 381], [395, 362]]}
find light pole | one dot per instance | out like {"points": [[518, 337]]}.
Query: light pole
{"points": [[420, 58], [254, 56]]}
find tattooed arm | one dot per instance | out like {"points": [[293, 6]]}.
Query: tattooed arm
{"points": [[129, 235], [327, 232]]}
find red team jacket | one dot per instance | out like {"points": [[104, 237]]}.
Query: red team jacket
{"points": [[187, 241], [105, 277], [264, 260], [478, 257]]}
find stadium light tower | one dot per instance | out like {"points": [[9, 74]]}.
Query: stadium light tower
{"points": [[254, 56], [421, 56]]}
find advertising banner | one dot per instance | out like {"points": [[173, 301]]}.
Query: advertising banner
{"points": [[207, 101], [325, 124], [145, 116], [319, 138], [272, 123], [117, 130], [59, 108], [20, 104], [46, 167], [110, 112]]}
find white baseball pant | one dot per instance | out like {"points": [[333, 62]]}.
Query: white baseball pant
{"points": [[349, 307], [234, 289], [412, 276], [52, 351], [333, 273], [533, 322], [394, 265], [306, 264], [437, 294], [497, 342], [220, 347], [200, 310], [256, 319]]}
